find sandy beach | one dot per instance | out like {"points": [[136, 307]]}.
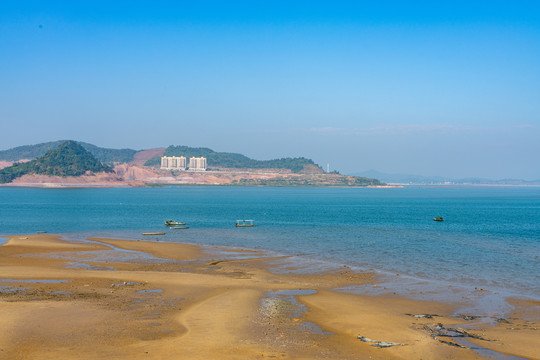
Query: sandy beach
{"points": [[129, 299]]}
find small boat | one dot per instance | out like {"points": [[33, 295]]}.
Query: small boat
{"points": [[244, 223], [41, 232], [173, 223], [179, 227], [438, 218], [155, 233]]}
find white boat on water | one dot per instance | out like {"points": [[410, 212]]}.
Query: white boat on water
{"points": [[244, 223], [173, 223]]}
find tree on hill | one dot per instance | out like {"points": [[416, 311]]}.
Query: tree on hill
{"points": [[104, 155], [68, 159]]}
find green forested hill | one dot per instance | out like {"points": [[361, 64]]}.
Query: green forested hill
{"points": [[34, 151], [67, 159], [112, 156], [233, 160]]}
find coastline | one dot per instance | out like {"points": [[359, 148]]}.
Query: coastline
{"points": [[88, 182], [150, 299], [140, 184], [131, 174]]}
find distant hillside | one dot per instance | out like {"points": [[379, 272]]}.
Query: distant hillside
{"points": [[322, 180], [67, 159], [143, 156], [104, 155], [233, 160]]}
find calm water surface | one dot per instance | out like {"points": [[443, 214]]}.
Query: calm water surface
{"points": [[491, 238]]}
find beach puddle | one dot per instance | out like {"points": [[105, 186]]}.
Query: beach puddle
{"points": [[127, 283], [314, 328], [296, 292], [150, 291], [284, 304], [10, 290], [490, 354], [76, 265], [43, 281], [59, 293], [279, 303], [3, 240], [301, 265], [106, 256]]}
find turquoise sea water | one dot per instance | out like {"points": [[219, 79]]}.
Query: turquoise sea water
{"points": [[490, 239]]}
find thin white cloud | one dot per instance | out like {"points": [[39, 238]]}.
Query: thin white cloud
{"points": [[328, 129]]}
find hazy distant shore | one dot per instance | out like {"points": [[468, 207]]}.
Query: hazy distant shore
{"points": [[91, 299], [464, 185]]}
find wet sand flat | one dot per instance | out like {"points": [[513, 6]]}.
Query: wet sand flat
{"points": [[62, 299]]}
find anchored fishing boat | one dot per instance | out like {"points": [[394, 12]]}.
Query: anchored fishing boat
{"points": [[173, 223], [179, 227], [154, 233], [438, 218], [244, 223]]}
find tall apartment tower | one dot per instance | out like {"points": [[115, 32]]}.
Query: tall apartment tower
{"points": [[173, 162], [197, 163]]}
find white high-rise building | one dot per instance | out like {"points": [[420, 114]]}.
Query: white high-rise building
{"points": [[197, 163], [173, 162]]}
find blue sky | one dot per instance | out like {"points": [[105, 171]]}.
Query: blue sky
{"points": [[444, 88]]}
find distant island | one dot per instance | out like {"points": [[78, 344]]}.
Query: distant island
{"points": [[71, 163], [409, 179]]}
